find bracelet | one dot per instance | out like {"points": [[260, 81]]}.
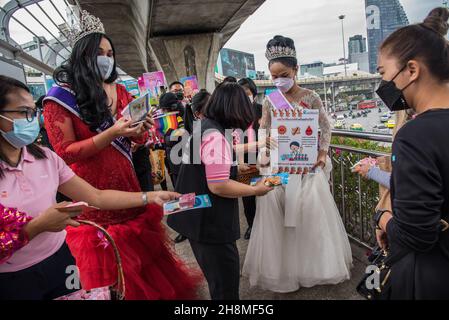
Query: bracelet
{"points": [[378, 216], [145, 198]]}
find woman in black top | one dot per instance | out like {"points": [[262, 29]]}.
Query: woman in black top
{"points": [[414, 64], [212, 232], [249, 203]]}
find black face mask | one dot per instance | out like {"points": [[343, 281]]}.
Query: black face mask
{"points": [[179, 95], [392, 96]]}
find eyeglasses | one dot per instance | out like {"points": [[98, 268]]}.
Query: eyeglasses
{"points": [[29, 113]]}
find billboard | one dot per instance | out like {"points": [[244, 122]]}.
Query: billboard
{"points": [[236, 64]]}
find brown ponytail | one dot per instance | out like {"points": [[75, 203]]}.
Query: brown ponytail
{"points": [[425, 41], [437, 21]]}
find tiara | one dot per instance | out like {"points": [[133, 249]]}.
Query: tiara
{"points": [[280, 52], [88, 24]]}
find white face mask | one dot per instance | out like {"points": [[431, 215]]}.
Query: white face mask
{"points": [[284, 84], [106, 66], [251, 98]]}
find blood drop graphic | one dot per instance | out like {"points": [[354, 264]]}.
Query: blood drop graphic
{"points": [[309, 131]]}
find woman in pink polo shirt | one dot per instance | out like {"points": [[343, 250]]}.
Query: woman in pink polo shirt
{"points": [[33, 254]]}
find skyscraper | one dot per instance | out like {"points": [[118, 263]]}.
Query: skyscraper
{"points": [[383, 17], [357, 44], [358, 53]]}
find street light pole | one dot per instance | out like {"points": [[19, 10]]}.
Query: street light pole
{"points": [[325, 94], [42, 59], [342, 17]]}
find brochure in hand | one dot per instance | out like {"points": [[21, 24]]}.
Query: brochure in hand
{"points": [[187, 202], [275, 180]]}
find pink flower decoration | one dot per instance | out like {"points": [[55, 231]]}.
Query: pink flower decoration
{"points": [[103, 241]]}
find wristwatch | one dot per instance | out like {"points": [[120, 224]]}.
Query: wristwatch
{"points": [[378, 216], [145, 198]]}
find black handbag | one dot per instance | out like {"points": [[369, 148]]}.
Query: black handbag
{"points": [[376, 285]]}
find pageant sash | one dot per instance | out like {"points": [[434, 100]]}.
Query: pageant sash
{"points": [[67, 99]]}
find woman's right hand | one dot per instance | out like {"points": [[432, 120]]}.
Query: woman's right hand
{"points": [[261, 189], [123, 128], [52, 220], [362, 169]]}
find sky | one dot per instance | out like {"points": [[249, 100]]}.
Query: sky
{"points": [[312, 24]]}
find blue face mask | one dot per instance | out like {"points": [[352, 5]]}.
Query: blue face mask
{"points": [[24, 132]]}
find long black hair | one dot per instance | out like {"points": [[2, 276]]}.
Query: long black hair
{"points": [[81, 73], [10, 86], [249, 84], [230, 106]]}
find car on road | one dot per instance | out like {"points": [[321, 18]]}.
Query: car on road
{"points": [[356, 127], [385, 117], [340, 117], [339, 125], [381, 128], [391, 124]]}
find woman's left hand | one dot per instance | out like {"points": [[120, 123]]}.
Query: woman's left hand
{"points": [[320, 162], [382, 239], [161, 197]]}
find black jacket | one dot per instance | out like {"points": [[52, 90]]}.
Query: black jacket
{"points": [[218, 224], [420, 199]]}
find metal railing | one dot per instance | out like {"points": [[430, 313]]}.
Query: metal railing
{"points": [[356, 198], [329, 79]]}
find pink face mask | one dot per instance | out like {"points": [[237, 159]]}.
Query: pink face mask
{"points": [[284, 84]]}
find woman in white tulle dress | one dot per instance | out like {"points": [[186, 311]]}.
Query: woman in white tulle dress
{"points": [[298, 238]]}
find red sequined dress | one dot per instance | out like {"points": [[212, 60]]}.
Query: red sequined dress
{"points": [[151, 268]]}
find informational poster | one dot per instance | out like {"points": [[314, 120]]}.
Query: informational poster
{"points": [[142, 88], [296, 132], [155, 84], [191, 86], [132, 87]]}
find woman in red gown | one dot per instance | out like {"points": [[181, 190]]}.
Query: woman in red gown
{"points": [[98, 151]]}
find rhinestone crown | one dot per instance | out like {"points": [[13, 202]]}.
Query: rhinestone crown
{"points": [[88, 24], [280, 52]]}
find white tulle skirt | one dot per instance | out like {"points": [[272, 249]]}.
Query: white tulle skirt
{"points": [[298, 238]]}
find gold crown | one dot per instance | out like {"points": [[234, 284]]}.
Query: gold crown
{"points": [[276, 52], [88, 24]]}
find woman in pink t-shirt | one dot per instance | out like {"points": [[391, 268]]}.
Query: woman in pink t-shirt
{"points": [[212, 232], [34, 258]]}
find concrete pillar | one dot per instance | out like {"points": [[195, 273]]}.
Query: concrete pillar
{"points": [[374, 87], [187, 55]]}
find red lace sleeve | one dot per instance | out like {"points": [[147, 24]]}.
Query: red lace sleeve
{"points": [[59, 125], [12, 237]]}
